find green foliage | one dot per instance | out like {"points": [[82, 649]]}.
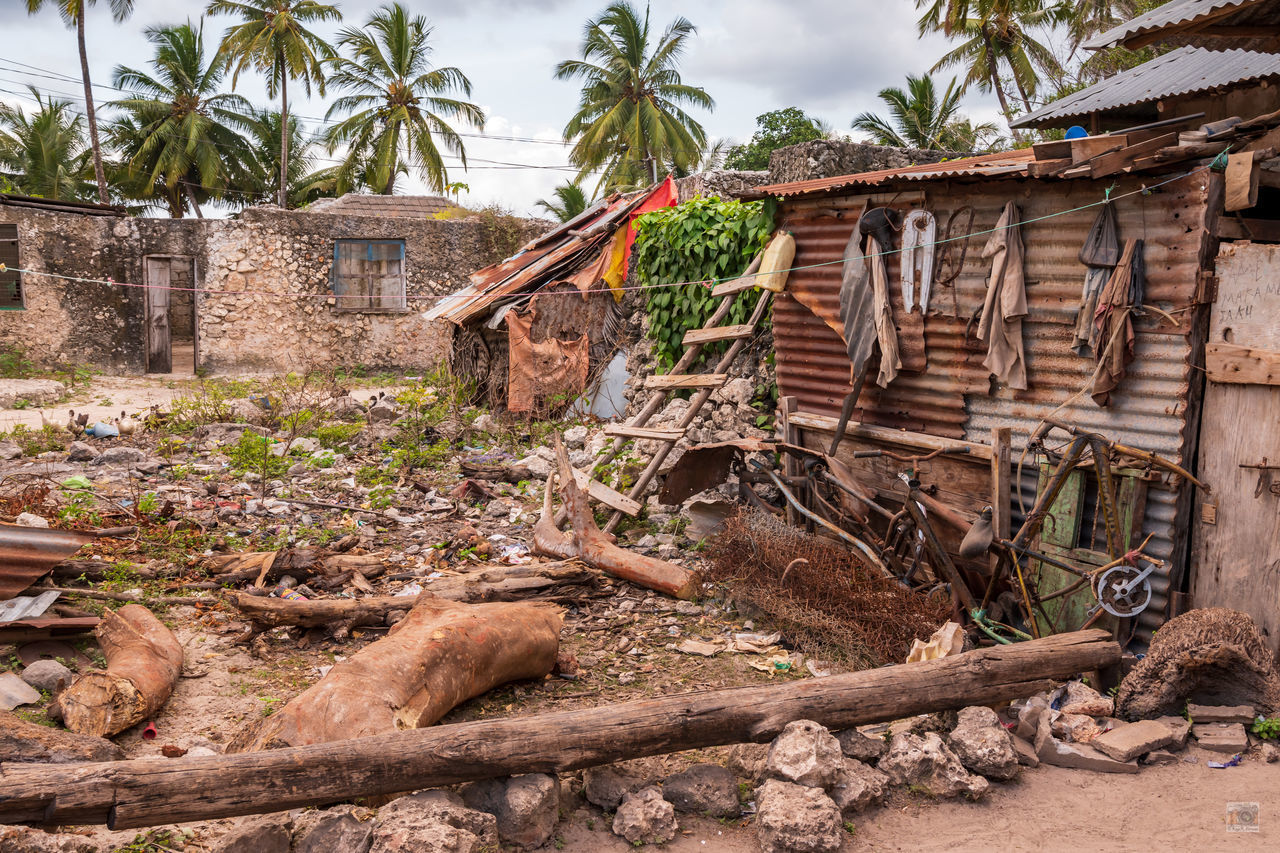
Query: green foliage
{"points": [[920, 117], [501, 232], [777, 129], [14, 363], [253, 453], [570, 200], [36, 441], [334, 436], [46, 149], [702, 240], [1267, 728], [209, 402]]}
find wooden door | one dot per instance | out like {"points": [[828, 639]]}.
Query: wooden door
{"points": [[159, 355], [1236, 541]]}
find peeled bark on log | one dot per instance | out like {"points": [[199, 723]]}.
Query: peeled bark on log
{"points": [[440, 655], [266, 613], [147, 792], [587, 542], [302, 563], [144, 661], [21, 741]]}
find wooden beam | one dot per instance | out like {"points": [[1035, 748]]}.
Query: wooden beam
{"points": [[1048, 168], [718, 333], [978, 453], [1115, 161], [1055, 149], [1088, 147], [686, 380], [1237, 365], [624, 431], [606, 495], [736, 285], [1258, 230], [153, 791]]}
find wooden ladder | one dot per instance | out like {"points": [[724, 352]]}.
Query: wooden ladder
{"points": [[678, 379]]}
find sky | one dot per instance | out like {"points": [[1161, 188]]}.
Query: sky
{"points": [[828, 57]]}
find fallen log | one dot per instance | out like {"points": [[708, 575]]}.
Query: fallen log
{"points": [[147, 792], [301, 563], [30, 743], [587, 542], [440, 655], [144, 661]]}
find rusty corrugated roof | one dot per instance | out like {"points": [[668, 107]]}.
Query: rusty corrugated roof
{"points": [[1204, 23], [26, 553], [999, 164], [1184, 71]]}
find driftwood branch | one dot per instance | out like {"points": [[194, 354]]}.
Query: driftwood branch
{"points": [[147, 792], [144, 661], [441, 654], [587, 542]]}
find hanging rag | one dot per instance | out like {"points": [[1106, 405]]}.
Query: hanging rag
{"points": [[538, 373], [919, 234], [1113, 319], [1100, 253], [1006, 302], [865, 309]]}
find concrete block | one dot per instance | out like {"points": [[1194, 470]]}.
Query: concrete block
{"points": [[1243, 714], [1129, 741], [1221, 737]]}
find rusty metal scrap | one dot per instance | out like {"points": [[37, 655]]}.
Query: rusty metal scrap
{"points": [[26, 553]]}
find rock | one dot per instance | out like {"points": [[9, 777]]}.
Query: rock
{"points": [[575, 437], [983, 745], [737, 392], [747, 760], [1270, 753], [859, 787], [1181, 728], [1221, 737], [1242, 714], [117, 456], [267, 834], [30, 519], [855, 744], [605, 786], [21, 741], [20, 839], [526, 807], [14, 692], [1127, 742], [1076, 728], [484, 422], [336, 830], [924, 761], [36, 392], [797, 819], [10, 450], [47, 675], [1026, 752], [1029, 718], [1080, 698], [433, 822], [345, 408], [1081, 756], [382, 412], [806, 754], [1159, 756], [703, 789], [645, 818], [80, 451], [537, 466]]}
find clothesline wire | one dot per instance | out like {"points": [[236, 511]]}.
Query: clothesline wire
{"points": [[1144, 190]]}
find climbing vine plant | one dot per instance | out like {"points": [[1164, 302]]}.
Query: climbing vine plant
{"points": [[702, 240]]}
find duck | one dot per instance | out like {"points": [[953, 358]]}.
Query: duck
{"points": [[75, 424], [126, 424]]}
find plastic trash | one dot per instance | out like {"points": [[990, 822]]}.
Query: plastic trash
{"points": [[101, 430], [1233, 761], [285, 592], [149, 733]]}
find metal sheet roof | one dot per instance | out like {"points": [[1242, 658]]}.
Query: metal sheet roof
{"points": [[26, 553], [1178, 23], [1182, 72], [1000, 164]]}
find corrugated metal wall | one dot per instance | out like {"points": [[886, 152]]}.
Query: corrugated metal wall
{"points": [[954, 397]]}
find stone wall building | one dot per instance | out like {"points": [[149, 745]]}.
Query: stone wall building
{"points": [[269, 290]]}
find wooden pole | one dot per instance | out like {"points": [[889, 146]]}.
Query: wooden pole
{"points": [[150, 791], [1000, 487]]}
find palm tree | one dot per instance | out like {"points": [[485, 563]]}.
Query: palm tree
{"points": [[630, 118], [307, 182], [178, 134], [919, 118], [274, 39], [45, 153], [570, 201], [397, 104], [994, 35], [72, 12]]}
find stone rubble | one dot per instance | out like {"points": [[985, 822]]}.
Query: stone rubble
{"points": [[644, 817]]}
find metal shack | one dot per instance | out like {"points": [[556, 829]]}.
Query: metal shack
{"points": [[1220, 547]]}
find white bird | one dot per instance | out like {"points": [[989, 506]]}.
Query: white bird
{"points": [[126, 424]]}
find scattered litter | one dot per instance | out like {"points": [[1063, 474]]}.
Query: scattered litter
{"points": [[514, 554], [757, 644], [698, 647], [26, 606], [149, 733], [1233, 761], [412, 589]]}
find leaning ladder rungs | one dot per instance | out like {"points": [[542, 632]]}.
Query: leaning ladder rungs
{"points": [[606, 495], [736, 285], [687, 380], [624, 431], [718, 333]]}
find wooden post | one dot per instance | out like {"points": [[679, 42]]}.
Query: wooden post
{"points": [[151, 791], [1000, 487], [790, 435]]}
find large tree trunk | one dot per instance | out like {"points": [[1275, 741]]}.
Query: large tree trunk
{"points": [[440, 655], [284, 139], [98, 173], [144, 661], [587, 542], [30, 743], [146, 792]]}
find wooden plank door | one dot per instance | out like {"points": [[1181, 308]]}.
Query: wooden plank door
{"points": [[1236, 532], [159, 355]]}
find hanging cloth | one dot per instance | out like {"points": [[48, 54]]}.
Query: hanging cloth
{"points": [[1100, 253], [1006, 302], [865, 310], [1114, 321]]}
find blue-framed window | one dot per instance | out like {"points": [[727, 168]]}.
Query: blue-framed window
{"points": [[368, 275], [10, 279]]}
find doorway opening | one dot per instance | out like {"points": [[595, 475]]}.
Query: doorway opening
{"points": [[172, 342]]}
